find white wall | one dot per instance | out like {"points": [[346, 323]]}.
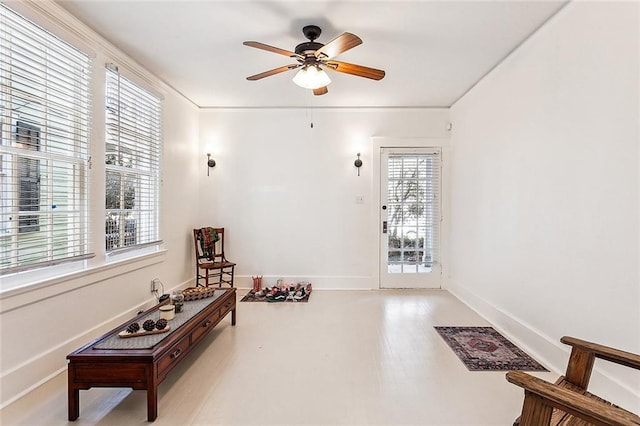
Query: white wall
{"points": [[545, 190], [285, 192], [41, 324]]}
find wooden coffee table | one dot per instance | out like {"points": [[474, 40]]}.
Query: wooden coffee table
{"points": [[143, 364]]}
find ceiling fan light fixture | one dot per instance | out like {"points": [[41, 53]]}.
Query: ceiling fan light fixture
{"points": [[311, 77]]}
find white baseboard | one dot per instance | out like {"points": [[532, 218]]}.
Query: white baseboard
{"points": [[319, 282]]}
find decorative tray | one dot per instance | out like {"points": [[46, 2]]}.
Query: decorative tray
{"points": [[195, 293], [125, 333]]}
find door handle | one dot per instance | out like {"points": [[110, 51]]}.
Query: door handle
{"points": [[384, 226]]}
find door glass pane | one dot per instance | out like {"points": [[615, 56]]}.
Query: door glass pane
{"points": [[411, 213]]}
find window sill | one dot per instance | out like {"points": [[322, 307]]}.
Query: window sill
{"points": [[26, 294]]}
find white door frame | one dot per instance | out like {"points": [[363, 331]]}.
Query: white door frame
{"points": [[385, 142]]}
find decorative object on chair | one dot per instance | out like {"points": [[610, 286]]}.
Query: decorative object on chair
{"points": [[358, 163], [567, 402], [211, 163], [484, 349], [211, 262]]}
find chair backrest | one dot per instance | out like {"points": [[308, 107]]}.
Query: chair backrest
{"points": [[215, 251]]}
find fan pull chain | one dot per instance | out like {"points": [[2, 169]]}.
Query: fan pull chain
{"points": [[310, 113]]}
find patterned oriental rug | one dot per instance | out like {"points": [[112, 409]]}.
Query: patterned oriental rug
{"points": [[484, 349]]}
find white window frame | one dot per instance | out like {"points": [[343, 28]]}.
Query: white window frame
{"points": [[44, 87], [133, 146]]}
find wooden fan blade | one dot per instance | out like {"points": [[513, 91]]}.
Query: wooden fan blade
{"points": [[358, 70], [320, 91], [272, 72], [268, 48], [342, 43]]}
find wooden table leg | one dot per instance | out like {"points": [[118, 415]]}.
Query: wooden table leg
{"points": [[152, 402], [74, 404], [233, 317], [73, 401], [73, 398]]}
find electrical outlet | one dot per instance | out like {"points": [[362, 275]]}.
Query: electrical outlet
{"points": [[154, 286]]}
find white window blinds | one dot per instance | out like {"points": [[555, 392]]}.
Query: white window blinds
{"points": [[132, 161], [413, 201], [44, 146]]}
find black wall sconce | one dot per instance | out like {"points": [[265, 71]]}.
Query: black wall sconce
{"points": [[210, 163], [358, 163]]}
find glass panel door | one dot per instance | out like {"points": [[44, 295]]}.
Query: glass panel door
{"points": [[410, 197]]}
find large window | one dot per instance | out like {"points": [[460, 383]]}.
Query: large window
{"points": [[44, 142], [132, 162]]}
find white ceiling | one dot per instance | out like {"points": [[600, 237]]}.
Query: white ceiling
{"points": [[432, 51]]}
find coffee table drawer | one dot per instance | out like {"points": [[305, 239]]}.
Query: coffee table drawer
{"points": [[174, 355], [228, 305], [206, 325]]}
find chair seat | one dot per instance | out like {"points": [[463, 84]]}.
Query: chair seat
{"points": [[216, 265], [560, 418]]}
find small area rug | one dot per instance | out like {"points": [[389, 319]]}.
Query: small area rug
{"points": [[251, 297], [484, 349]]}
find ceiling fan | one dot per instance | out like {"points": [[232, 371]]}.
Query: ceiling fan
{"points": [[313, 58]]}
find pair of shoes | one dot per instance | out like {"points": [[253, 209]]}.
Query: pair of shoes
{"points": [[277, 297], [300, 294]]}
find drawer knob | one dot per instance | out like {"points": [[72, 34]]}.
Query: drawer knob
{"points": [[207, 324], [176, 353]]}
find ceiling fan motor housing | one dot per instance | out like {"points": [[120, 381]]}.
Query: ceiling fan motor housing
{"points": [[311, 32], [308, 47]]}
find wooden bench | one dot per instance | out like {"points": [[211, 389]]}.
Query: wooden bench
{"points": [[567, 402]]}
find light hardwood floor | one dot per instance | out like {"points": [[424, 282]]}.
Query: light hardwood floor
{"points": [[344, 358]]}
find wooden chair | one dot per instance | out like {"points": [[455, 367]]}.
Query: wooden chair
{"points": [[567, 402], [212, 266]]}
